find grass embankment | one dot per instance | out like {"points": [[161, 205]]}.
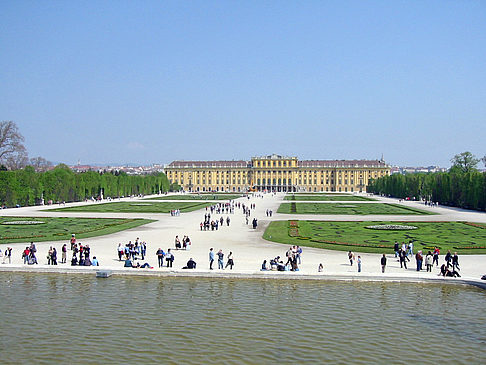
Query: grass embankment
{"points": [[56, 229], [348, 209], [135, 207], [197, 197], [463, 237], [326, 197]]}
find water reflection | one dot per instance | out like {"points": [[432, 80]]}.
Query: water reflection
{"points": [[195, 320]]}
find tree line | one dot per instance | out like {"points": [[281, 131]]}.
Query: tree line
{"points": [[462, 186], [28, 187]]}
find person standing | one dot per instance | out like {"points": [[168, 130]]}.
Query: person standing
{"points": [[8, 255], [120, 250], [383, 262], [169, 258], [160, 256], [63, 254], [54, 256], [419, 259], [436, 256], [230, 261], [359, 263], [220, 259], [429, 261], [211, 258], [143, 249]]}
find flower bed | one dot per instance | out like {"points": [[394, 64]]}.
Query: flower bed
{"points": [[391, 227], [22, 223]]}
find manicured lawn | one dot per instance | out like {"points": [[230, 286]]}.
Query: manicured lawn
{"points": [[198, 197], [465, 238], [326, 197], [55, 229], [336, 208], [136, 207]]}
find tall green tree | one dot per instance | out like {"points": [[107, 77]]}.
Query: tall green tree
{"points": [[464, 162]]}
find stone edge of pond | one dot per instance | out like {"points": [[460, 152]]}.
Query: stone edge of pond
{"points": [[411, 278]]}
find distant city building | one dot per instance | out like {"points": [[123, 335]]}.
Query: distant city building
{"points": [[412, 170], [276, 173]]}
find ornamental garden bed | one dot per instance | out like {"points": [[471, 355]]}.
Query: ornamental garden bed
{"points": [[57, 228], [463, 237], [133, 207], [349, 209]]}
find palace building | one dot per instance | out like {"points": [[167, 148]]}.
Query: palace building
{"points": [[276, 173]]}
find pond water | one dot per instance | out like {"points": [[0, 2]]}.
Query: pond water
{"points": [[52, 318]]}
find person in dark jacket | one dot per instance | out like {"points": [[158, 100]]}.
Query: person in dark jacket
{"points": [[383, 262]]}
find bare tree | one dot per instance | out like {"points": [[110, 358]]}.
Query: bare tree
{"points": [[16, 160], [11, 143], [40, 164]]}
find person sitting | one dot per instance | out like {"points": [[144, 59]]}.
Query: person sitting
{"points": [[74, 261], [264, 266], [87, 262], [191, 264], [128, 263], [95, 262], [443, 270], [280, 266], [81, 261], [145, 266]]}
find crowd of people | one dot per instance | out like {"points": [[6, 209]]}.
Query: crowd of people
{"points": [[294, 258]]}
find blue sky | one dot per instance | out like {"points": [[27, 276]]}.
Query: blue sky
{"points": [[154, 81]]}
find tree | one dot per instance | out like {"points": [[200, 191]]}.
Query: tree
{"points": [[40, 164], [484, 160], [11, 143], [464, 162]]}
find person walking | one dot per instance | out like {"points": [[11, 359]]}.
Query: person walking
{"points": [[351, 257], [160, 256], [403, 258], [211, 258], [448, 258], [230, 261], [455, 262], [359, 263], [220, 259], [410, 248], [383, 263], [396, 247]]}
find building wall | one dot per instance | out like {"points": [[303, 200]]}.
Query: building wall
{"points": [[275, 173]]}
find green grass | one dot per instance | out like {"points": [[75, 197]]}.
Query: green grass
{"points": [[455, 236], [198, 197], [326, 197], [135, 207], [337, 209], [55, 229]]}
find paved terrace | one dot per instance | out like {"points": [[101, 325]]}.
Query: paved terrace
{"points": [[248, 246]]}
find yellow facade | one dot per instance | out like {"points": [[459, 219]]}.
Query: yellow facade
{"points": [[276, 173]]}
